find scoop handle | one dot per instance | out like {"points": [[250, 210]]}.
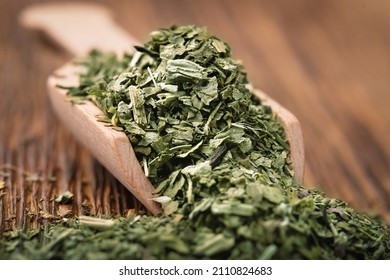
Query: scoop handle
{"points": [[78, 28]]}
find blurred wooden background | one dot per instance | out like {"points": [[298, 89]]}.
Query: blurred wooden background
{"points": [[326, 61]]}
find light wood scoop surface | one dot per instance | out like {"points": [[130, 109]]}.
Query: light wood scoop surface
{"points": [[79, 28]]}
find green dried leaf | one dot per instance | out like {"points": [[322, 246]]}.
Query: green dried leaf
{"points": [[64, 198], [184, 70], [229, 208], [273, 194], [214, 245]]}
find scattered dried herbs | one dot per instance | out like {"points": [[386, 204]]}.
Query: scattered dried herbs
{"points": [[64, 198], [219, 161]]}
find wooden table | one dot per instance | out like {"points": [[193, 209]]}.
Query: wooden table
{"points": [[328, 62]]}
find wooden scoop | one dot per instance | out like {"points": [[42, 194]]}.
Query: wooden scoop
{"points": [[79, 28]]}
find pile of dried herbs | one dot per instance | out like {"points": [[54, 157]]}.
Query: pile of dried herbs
{"points": [[219, 161]]}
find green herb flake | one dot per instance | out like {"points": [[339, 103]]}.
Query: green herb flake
{"points": [[64, 198]]}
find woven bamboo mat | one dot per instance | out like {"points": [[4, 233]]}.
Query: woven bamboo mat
{"points": [[41, 162]]}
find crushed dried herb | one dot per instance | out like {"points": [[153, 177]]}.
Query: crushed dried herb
{"points": [[64, 198], [219, 161]]}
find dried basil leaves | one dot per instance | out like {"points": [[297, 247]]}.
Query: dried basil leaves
{"points": [[219, 161]]}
